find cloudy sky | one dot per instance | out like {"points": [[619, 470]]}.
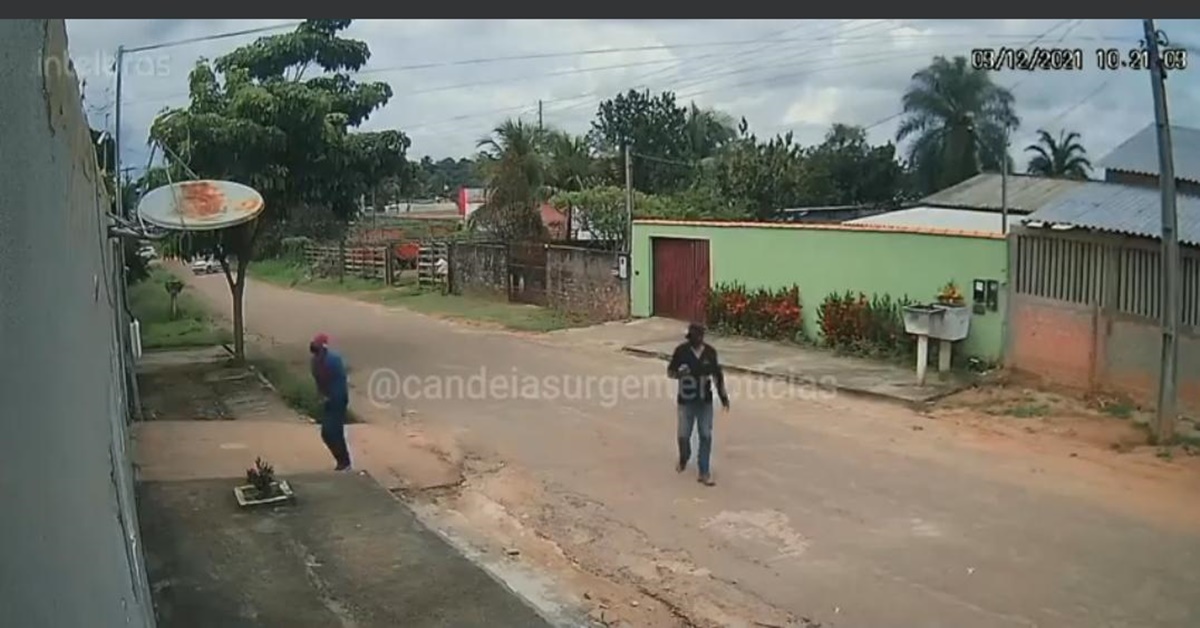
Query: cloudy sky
{"points": [[455, 79]]}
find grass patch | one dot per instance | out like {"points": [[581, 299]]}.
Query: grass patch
{"points": [[295, 386], [290, 274], [1025, 409], [151, 305], [511, 315]]}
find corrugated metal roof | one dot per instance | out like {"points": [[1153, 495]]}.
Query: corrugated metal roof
{"points": [[938, 218], [1124, 209], [982, 191], [1139, 154]]}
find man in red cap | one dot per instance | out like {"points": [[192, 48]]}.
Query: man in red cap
{"points": [[329, 372]]}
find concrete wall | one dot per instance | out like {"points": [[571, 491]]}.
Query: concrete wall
{"points": [[825, 259], [69, 550], [479, 270], [582, 281]]}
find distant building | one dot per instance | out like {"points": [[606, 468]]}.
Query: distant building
{"points": [[1135, 161]]}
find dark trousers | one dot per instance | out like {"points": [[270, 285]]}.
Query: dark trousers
{"points": [[333, 432]]}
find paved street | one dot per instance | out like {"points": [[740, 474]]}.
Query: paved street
{"points": [[845, 511]]}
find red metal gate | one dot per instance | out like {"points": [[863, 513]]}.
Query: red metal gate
{"points": [[681, 278]]}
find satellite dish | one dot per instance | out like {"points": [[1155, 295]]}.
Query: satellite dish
{"points": [[204, 205]]}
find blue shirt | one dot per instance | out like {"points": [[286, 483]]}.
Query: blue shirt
{"points": [[330, 374]]}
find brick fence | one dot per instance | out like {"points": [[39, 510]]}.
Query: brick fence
{"points": [[578, 281], [583, 282]]}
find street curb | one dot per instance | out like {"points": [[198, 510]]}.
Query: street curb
{"points": [[912, 404]]}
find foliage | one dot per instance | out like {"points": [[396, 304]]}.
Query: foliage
{"points": [[1063, 157], [770, 314], [949, 294], [653, 126], [764, 177], [442, 179], [602, 212], [262, 477], [150, 304], [959, 121], [254, 118], [514, 167], [852, 322], [846, 170]]}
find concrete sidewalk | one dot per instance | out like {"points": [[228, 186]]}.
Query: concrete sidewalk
{"points": [[809, 366], [345, 554]]}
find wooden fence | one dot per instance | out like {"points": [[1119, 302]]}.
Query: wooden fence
{"points": [[370, 262]]}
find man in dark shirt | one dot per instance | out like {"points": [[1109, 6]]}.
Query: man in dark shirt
{"points": [[695, 365]]}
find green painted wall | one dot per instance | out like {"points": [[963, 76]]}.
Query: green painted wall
{"points": [[821, 261]]}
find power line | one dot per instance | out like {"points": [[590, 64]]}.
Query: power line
{"points": [[860, 59], [674, 63], [193, 40]]}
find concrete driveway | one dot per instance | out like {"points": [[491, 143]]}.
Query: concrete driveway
{"points": [[841, 511]]}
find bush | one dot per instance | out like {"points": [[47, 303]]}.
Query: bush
{"points": [[762, 313], [854, 323]]}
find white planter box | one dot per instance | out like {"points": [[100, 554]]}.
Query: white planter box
{"points": [[244, 499]]}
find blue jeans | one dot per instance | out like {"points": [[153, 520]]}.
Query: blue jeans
{"points": [[333, 430], [692, 416]]}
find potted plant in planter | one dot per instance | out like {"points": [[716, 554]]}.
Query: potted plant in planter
{"points": [[261, 487], [950, 296]]}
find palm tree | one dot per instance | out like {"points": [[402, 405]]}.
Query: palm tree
{"points": [[570, 166], [514, 169], [708, 130], [960, 121], [1065, 157]]}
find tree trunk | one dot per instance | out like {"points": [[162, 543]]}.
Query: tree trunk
{"points": [[239, 323], [174, 306]]}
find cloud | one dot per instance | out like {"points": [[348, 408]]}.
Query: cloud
{"points": [[795, 76]]}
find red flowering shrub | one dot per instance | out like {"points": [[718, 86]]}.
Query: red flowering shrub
{"points": [[762, 313], [872, 326]]}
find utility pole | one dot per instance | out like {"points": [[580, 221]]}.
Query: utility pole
{"points": [[117, 133], [1168, 377], [628, 197], [539, 114], [1004, 187]]}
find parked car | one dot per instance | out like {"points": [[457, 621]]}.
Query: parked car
{"points": [[205, 265]]}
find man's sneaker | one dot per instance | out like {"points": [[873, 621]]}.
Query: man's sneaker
{"points": [[680, 466], [341, 467], [706, 480]]}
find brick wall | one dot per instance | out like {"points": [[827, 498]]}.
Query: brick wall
{"points": [[1074, 346], [479, 270], [581, 281], [1052, 339]]}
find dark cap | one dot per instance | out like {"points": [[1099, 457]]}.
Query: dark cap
{"points": [[694, 330]]}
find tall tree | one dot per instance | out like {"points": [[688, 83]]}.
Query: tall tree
{"points": [[708, 130], [762, 177], [958, 120], [848, 171], [656, 128], [1063, 157], [254, 118], [569, 162], [514, 167]]}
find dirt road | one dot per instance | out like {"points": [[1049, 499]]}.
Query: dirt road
{"points": [[833, 512]]}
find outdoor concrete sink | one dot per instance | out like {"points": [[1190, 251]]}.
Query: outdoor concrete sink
{"points": [[938, 321]]}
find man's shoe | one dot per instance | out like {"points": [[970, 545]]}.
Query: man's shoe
{"points": [[341, 467], [706, 480], [680, 466]]}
